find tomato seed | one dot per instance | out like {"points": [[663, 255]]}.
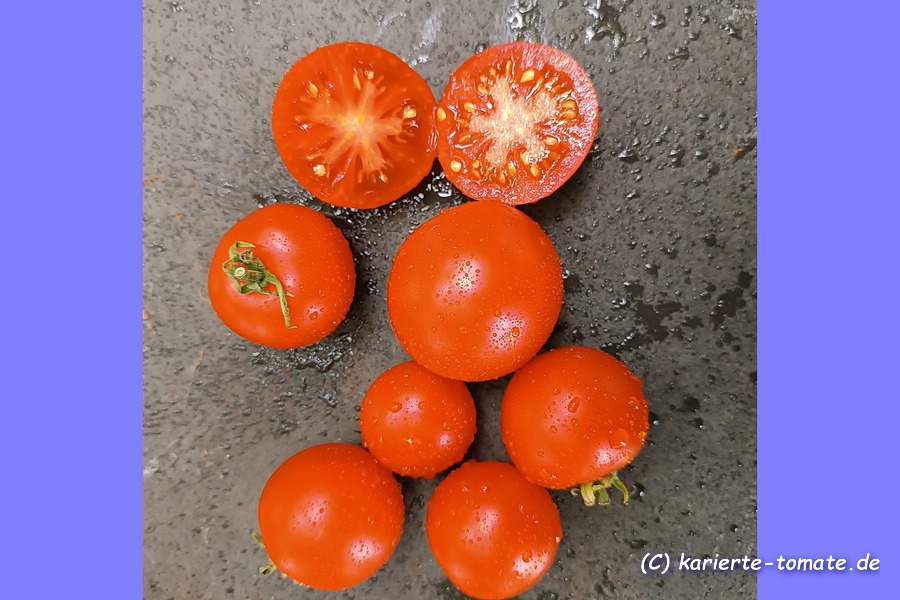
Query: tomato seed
{"points": [[469, 107], [550, 141], [320, 170], [535, 170], [527, 76], [312, 89], [409, 113], [455, 166], [441, 115]]}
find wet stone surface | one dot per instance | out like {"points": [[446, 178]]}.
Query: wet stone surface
{"points": [[656, 233]]}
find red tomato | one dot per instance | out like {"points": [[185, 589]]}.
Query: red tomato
{"points": [[515, 122], [475, 292], [573, 416], [330, 516], [417, 423], [492, 532], [354, 125], [287, 246]]}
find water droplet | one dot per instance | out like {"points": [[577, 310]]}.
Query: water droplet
{"points": [[573, 404], [395, 407], [619, 437]]}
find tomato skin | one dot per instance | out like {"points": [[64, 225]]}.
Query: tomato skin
{"points": [[573, 415], [310, 256], [354, 125], [330, 516], [415, 422], [475, 292], [550, 108], [492, 532]]}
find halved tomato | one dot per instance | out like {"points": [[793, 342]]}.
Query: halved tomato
{"points": [[354, 125], [515, 122]]}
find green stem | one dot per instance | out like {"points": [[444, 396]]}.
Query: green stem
{"points": [[250, 275], [265, 569], [595, 492]]}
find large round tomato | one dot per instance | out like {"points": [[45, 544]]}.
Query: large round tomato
{"points": [[330, 516], [283, 276], [515, 122], [475, 292], [417, 423], [354, 125], [492, 532], [573, 416]]}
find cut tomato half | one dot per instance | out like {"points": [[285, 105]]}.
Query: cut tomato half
{"points": [[354, 125], [515, 122]]}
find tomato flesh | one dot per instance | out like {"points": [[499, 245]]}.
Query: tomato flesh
{"points": [[515, 122], [354, 125], [330, 516], [572, 416], [493, 533]]}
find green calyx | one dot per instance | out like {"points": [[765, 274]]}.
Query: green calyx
{"points": [[250, 275], [595, 492]]}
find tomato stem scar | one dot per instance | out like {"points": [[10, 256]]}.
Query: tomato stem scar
{"points": [[250, 275], [594, 492]]}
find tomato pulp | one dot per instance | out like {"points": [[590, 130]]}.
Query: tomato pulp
{"points": [[515, 122], [354, 125]]}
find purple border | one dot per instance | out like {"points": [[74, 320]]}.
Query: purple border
{"points": [[71, 419], [828, 138], [71, 437]]}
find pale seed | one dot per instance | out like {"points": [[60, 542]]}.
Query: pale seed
{"points": [[319, 170], [409, 113], [441, 115], [550, 141], [312, 89], [527, 76], [455, 166], [535, 170]]}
